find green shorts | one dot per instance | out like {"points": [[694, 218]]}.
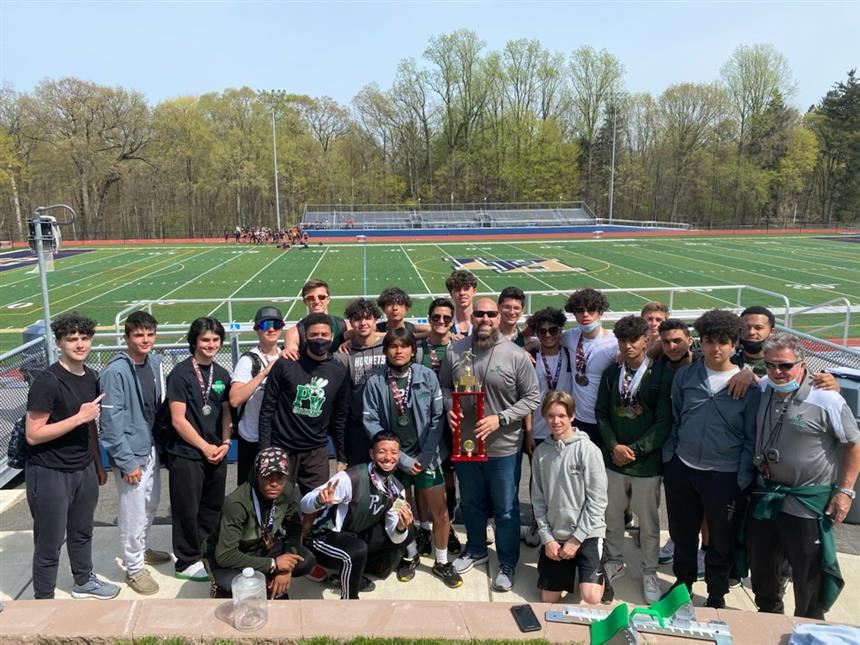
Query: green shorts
{"points": [[424, 479]]}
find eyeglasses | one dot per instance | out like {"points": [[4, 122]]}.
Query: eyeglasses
{"points": [[266, 325], [440, 318], [321, 298], [782, 367], [478, 313], [548, 331]]}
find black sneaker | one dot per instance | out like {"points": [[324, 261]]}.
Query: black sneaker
{"points": [[454, 546], [366, 585], [406, 568], [424, 541], [447, 574], [716, 602], [608, 593]]}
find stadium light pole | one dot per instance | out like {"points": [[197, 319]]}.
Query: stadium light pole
{"points": [[612, 163], [272, 95]]}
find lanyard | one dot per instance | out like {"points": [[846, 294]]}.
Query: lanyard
{"points": [[551, 381], [204, 389], [581, 362], [401, 399], [269, 526], [430, 350], [383, 484], [630, 389]]}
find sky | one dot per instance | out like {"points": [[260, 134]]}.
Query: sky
{"points": [[170, 49]]}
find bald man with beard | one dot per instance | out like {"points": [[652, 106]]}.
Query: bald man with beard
{"points": [[509, 382]]}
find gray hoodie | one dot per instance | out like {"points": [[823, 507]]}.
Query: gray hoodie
{"points": [[510, 386], [569, 489], [123, 430]]}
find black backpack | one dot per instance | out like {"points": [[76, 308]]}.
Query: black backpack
{"points": [[18, 450]]}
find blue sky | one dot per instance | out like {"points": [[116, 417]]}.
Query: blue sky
{"points": [[168, 49]]}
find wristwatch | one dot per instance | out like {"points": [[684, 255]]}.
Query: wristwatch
{"points": [[850, 492], [274, 569]]}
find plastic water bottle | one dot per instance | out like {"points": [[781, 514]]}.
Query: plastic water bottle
{"points": [[250, 607]]}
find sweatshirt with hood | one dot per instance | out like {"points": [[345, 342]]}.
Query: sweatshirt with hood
{"points": [[569, 489]]}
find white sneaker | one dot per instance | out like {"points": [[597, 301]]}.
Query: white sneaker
{"points": [[651, 588], [614, 570], [701, 562], [667, 552]]}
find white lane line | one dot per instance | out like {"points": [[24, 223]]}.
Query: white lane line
{"points": [[420, 277], [310, 275], [244, 284]]}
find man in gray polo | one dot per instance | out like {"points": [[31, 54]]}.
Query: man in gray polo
{"points": [[798, 492]]}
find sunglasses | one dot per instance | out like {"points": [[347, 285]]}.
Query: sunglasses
{"points": [[478, 313], [321, 298], [548, 331], [782, 367], [266, 325], [440, 318]]}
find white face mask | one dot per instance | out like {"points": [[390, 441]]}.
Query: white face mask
{"points": [[790, 386], [590, 327]]}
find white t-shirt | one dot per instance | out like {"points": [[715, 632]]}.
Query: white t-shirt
{"points": [[251, 416], [600, 353], [565, 382]]}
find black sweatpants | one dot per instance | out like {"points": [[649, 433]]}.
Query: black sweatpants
{"points": [[245, 460], [196, 498], [350, 552], [224, 577], [769, 543], [62, 505], [691, 494]]}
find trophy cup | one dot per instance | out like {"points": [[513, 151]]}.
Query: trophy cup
{"points": [[467, 448]]}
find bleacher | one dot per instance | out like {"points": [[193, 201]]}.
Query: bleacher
{"points": [[444, 216]]}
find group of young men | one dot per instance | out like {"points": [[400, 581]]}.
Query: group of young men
{"points": [[740, 434]]}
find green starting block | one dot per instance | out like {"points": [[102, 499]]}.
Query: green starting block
{"points": [[673, 615]]}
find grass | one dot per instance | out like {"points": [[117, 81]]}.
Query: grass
{"points": [[99, 283]]}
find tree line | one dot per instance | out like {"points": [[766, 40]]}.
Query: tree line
{"points": [[463, 124]]}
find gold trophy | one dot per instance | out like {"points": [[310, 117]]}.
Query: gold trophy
{"points": [[467, 385]]}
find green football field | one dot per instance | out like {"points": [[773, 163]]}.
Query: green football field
{"points": [[102, 281]]}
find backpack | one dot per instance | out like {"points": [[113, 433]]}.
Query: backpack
{"points": [[256, 366], [18, 450]]}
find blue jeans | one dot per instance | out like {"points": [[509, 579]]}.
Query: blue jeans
{"points": [[482, 484]]}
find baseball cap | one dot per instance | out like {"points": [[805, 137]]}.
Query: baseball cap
{"points": [[271, 460], [268, 313]]}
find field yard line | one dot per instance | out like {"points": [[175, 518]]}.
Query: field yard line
{"points": [[444, 255], [420, 277], [68, 284], [197, 277], [241, 286], [762, 250], [126, 284], [310, 275], [65, 268], [766, 277]]}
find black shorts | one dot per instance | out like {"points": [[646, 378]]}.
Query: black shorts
{"points": [[308, 468], [560, 575]]}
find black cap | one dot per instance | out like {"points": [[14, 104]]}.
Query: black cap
{"points": [[268, 313]]}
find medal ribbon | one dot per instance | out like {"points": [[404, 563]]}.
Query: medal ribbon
{"points": [[383, 484], [204, 390], [629, 389], [551, 381], [401, 400], [581, 363], [269, 526]]}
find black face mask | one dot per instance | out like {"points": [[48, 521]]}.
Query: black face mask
{"points": [[318, 346], [752, 346]]}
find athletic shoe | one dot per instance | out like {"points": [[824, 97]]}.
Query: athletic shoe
{"points": [[716, 602], [317, 574], [196, 572], [700, 559], [153, 557], [447, 574], [504, 578], [406, 568], [365, 586], [454, 546], [529, 535], [491, 532], [424, 542], [608, 593], [95, 588], [734, 583], [468, 560], [667, 552], [614, 569], [142, 583], [651, 588]]}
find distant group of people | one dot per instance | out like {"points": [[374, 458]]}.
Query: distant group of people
{"points": [[731, 426], [266, 235]]}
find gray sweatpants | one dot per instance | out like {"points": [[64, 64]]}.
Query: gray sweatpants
{"points": [[63, 506], [643, 494], [137, 506]]}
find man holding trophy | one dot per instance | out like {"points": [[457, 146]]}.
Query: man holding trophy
{"points": [[489, 385]]}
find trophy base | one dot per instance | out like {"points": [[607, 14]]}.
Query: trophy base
{"points": [[466, 457]]}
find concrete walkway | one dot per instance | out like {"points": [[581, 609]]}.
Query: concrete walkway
{"points": [[446, 614]]}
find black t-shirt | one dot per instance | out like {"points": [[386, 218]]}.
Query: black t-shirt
{"points": [[146, 379], [183, 386], [61, 393], [382, 325]]}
